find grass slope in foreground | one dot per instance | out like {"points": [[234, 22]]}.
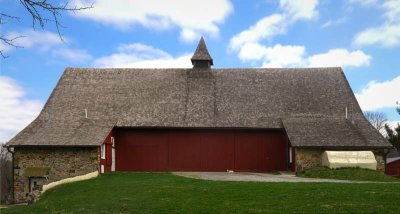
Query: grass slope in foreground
{"points": [[351, 174], [167, 193]]}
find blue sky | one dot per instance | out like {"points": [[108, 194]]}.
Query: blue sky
{"points": [[362, 36]]}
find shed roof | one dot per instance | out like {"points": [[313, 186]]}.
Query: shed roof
{"points": [[391, 160], [308, 102]]}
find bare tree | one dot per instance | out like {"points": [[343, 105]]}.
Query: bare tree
{"points": [[377, 119], [42, 13]]}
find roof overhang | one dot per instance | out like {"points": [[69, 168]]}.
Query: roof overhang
{"points": [[331, 132]]}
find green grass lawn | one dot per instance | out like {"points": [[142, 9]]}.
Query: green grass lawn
{"points": [[353, 174], [167, 193]]}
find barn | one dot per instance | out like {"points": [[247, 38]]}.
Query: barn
{"points": [[393, 167], [197, 119], [393, 163]]}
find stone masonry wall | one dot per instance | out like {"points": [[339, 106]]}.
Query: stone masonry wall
{"points": [[309, 158], [64, 162], [380, 159]]}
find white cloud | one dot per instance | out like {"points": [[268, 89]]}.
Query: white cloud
{"points": [[378, 95], [327, 24], [332, 22], [265, 28], [248, 42], [386, 35], [364, 2], [251, 52], [277, 56], [74, 55], [5, 47], [248, 45], [146, 51], [299, 9], [392, 8], [139, 55], [295, 56], [190, 35], [191, 16], [42, 40], [47, 43], [339, 57], [284, 56], [275, 24], [16, 111]]}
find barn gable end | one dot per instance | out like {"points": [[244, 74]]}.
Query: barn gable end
{"points": [[250, 119]]}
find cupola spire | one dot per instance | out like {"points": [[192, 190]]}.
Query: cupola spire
{"points": [[201, 58]]}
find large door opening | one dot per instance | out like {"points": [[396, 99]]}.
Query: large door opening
{"points": [[200, 150]]}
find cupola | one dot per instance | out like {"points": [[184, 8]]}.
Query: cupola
{"points": [[201, 58]]}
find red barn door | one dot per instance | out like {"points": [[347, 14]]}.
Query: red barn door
{"points": [[200, 150]]}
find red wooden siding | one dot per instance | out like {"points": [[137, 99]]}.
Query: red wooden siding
{"points": [[200, 150], [184, 151], [393, 168], [107, 162], [218, 151], [260, 151]]}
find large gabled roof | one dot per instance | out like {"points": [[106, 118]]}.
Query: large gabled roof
{"points": [[309, 103]]}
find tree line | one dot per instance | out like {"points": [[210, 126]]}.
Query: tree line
{"points": [[380, 121]]}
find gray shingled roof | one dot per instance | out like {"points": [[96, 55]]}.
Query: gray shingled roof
{"points": [[331, 132], [309, 103], [201, 53]]}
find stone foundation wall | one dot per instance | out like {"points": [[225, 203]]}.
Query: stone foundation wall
{"points": [[309, 158], [64, 162], [380, 159]]}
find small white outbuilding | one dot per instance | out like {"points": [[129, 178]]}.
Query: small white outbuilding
{"points": [[338, 159]]}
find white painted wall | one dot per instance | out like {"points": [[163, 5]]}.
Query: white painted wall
{"points": [[112, 154], [113, 160]]}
